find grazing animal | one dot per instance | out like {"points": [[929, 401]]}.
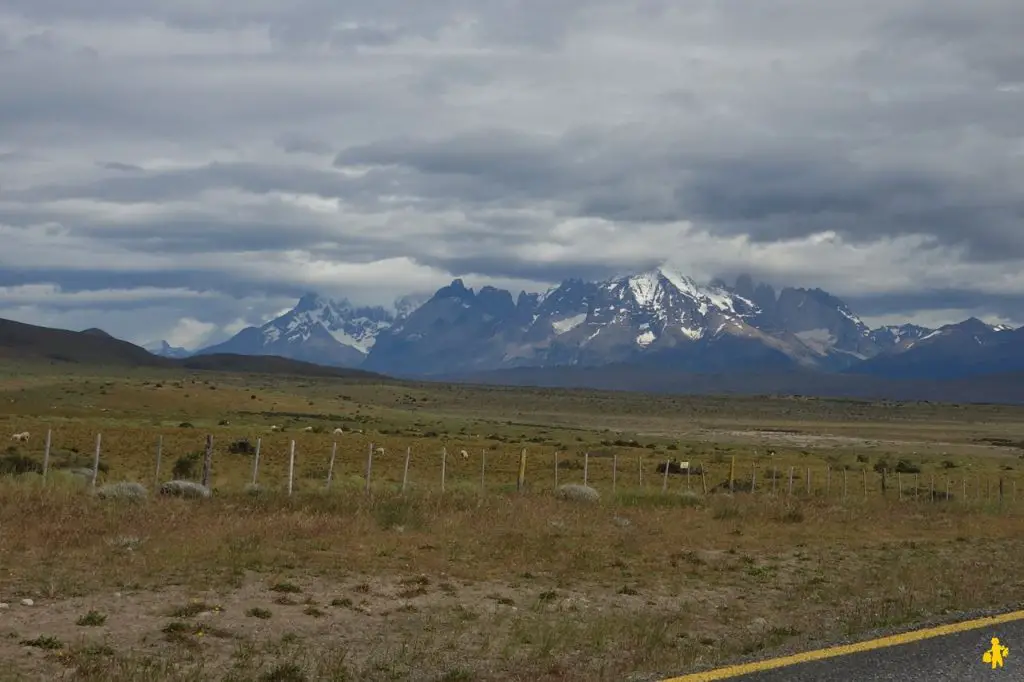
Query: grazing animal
{"points": [[275, 427], [338, 432], [674, 467], [465, 455], [379, 451], [21, 437], [308, 429]]}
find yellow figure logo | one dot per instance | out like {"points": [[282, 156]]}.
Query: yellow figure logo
{"points": [[996, 655]]}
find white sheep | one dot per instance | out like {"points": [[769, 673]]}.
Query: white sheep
{"points": [[308, 429], [275, 427], [338, 432], [21, 437], [379, 451], [465, 455]]}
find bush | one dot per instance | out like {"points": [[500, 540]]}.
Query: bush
{"points": [[122, 490], [242, 447], [185, 466], [578, 493], [186, 489], [14, 464], [905, 466]]}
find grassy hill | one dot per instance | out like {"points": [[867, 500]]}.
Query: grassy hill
{"points": [[94, 347], [22, 341]]}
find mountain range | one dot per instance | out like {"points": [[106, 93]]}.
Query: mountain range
{"points": [[658, 319]]}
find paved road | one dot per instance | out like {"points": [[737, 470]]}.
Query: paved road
{"points": [[951, 653]]}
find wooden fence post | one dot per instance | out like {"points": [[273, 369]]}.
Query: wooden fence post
{"points": [[664, 478], [256, 461], [753, 477], [291, 467], [444, 466], [159, 456], [521, 479], [790, 491], [828, 479], [703, 479], [96, 460], [586, 468], [483, 472], [807, 472], [369, 468], [46, 453], [330, 467], [899, 485], [208, 460], [405, 469], [556, 469]]}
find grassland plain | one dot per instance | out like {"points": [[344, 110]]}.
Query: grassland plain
{"points": [[483, 583]]}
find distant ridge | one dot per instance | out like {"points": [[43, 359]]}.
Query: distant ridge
{"points": [[27, 342], [657, 318]]}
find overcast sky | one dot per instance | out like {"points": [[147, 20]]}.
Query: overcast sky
{"points": [[181, 168]]}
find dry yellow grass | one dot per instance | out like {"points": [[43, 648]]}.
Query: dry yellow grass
{"points": [[492, 584]]}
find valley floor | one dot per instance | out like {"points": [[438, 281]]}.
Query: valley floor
{"points": [[483, 585]]}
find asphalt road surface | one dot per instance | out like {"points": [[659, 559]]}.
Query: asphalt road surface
{"points": [[950, 653]]}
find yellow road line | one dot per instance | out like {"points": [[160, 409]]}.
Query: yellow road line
{"points": [[831, 652]]}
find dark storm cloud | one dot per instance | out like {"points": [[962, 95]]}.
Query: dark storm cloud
{"points": [[769, 194], [872, 148]]}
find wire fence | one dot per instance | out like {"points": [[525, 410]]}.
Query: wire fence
{"points": [[442, 469]]}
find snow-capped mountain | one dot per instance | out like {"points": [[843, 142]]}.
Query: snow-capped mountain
{"points": [[166, 350], [656, 318], [317, 329], [953, 350], [622, 317], [898, 337], [658, 315]]}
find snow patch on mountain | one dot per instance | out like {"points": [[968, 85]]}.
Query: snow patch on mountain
{"points": [[645, 338], [569, 323]]}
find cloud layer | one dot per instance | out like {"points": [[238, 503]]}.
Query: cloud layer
{"points": [[179, 169]]}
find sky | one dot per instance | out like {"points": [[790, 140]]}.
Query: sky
{"points": [[181, 169]]}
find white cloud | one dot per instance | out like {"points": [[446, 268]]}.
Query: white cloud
{"points": [[190, 333]]}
